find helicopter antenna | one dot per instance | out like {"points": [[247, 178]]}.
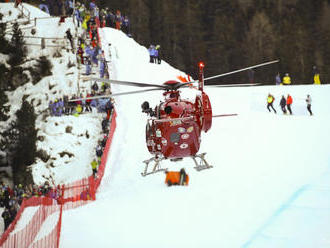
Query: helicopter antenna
{"points": [[244, 69]]}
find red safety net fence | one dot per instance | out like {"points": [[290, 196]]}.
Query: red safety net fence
{"points": [[43, 215]]}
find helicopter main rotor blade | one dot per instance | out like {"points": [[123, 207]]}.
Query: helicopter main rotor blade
{"points": [[244, 69], [112, 95], [127, 83], [233, 85], [224, 115]]}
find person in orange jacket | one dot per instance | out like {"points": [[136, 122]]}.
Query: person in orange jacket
{"points": [[288, 103], [177, 177]]}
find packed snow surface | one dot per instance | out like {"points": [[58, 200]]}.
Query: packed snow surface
{"points": [[260, 160]]}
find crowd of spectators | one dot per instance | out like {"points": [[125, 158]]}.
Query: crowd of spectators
{"points": [[89, 53], [12, 198], [76, 105]]}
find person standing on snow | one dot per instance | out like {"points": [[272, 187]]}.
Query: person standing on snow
{"points": [[286, 79], [288, 103], [270, 100], [94, 165], [283, 104], [152, 53], [316, 75], [278, 79], [309, 104], [158, 54], [69, 37]]}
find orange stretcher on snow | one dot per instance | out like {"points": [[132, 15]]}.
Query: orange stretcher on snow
{"points": [[176, 178]]}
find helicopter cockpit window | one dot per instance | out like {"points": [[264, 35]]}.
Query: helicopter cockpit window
{"points": [[168, 110], [175, 137]]}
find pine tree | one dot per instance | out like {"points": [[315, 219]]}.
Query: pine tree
{"points": [[3, 41], [17, 51], [23, 135]]}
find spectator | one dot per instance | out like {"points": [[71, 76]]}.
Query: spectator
{"points": [[125, 26], [69, 37], [278, 79], [95, 87], [309, 104], [152, 53], [316, 75], [283, 104], [286, 79], [288, 103], [108, 108], [119, 20], [94, 165], [99, 151], [102, 65], [88, 64], [158, 54], [80, 52], [270, 100], [6, 218], [88, 103]]}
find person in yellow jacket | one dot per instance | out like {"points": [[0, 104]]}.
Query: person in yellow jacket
{"points": [[316, 75], [94, 165], [286, 79], [270, 100]]}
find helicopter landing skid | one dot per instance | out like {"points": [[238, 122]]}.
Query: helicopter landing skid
{"points": [[155, 169], [203, 164]]}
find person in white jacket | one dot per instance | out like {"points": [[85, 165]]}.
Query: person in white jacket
{"points": [[309, 104]]}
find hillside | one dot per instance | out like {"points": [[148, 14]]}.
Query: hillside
{"points": [[269, 186], [263, 164]]}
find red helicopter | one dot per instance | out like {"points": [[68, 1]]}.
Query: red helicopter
{"points": [[174, 128]]}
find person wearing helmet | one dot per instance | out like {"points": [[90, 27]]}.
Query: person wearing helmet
{"points": [[286, 79]]}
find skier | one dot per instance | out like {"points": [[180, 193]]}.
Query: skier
{"points": [[270, 100], [309, 104], [283, 104], [288, 103]]}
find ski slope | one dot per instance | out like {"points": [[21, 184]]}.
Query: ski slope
{"points": [[263, 163]]}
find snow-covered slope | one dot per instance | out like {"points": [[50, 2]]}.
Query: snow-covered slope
{"points": [[260, 160], [70, 151]]}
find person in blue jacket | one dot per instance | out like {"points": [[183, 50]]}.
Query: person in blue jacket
{"points": [[152, 51]]}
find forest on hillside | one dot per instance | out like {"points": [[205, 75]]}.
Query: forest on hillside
{"points": [[232, 34]]}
